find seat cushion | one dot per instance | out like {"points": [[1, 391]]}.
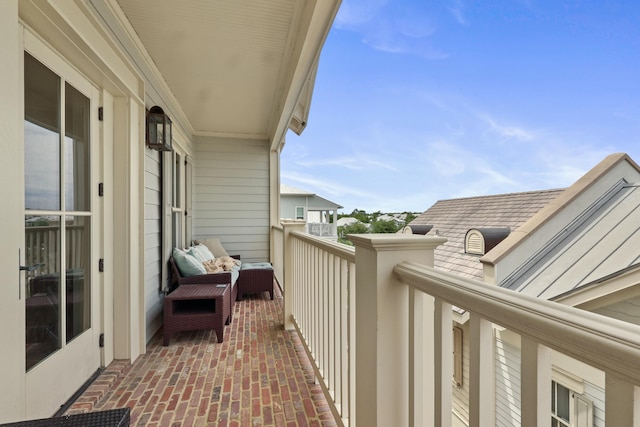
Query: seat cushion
{"points": [[256, 265], [235, 273]]}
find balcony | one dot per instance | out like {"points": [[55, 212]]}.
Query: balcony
{"points": [[375, 321], [322, 229]]}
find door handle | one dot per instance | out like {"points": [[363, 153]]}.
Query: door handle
{"points": [[31, 267]]}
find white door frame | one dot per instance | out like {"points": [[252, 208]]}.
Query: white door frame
{"points": [[69, 367]]}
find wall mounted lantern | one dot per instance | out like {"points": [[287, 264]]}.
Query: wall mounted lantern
{"points": [[158, 130]]}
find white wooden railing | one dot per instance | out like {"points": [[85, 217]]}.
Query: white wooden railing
{"points": [[382, 344], [320, 309], [42, 247], [324, 273], [277, 253], [610, 345]]}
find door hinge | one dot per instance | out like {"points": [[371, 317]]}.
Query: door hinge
{"points": [[101, 341], [100, 113], [101, 189], [101, 265]]}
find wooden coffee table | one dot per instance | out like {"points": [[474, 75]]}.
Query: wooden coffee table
{"points": [[196, 307]]}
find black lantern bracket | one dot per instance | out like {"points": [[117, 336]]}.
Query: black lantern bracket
{"points": [[158, 130]]}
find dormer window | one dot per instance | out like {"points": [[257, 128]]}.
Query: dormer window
{"points": [[417, 229], [479, 241]]}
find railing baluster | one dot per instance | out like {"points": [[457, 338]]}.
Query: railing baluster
{"points": [[536, 383], [619, 402], [331, 331], [443, 362], [421, 358], [339, 349], [351, 337], [481, 362]]}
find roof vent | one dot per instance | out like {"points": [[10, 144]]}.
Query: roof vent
{"points": [[479, 241], [417, 229]]}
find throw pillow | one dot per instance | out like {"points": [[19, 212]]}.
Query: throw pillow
{"points": [[187, 264], [201, 252], [215, 246]]}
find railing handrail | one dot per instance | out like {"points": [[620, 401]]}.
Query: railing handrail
{"points": [[341, 250], [608, 344]]}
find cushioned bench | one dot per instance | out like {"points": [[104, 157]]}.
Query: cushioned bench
{"points": [[221, 278], [191, 267]]}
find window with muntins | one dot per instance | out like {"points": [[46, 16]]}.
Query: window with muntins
{"points": [[569, 409]]}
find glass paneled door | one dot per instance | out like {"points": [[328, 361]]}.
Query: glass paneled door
{"points": [[58, 253]]}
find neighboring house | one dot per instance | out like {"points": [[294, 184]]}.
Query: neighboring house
{"points": [[85, 196], [579, 246], [347, 220], [320, 214]]}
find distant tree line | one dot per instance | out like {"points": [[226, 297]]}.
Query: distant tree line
{"points": [[372, 223]]}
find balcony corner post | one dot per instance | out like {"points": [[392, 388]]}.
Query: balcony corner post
{"points": [[288, 284], [382, 342]]}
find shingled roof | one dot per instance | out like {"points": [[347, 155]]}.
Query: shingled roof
{"points": [[454, 217]]}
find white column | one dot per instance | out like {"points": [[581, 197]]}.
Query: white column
{"points": [[535, 385], [12, 255], [619, 402], [382, 326], [129, 314], [288, 260], [481, 368]]}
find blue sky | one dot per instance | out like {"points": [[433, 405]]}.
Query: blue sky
{"points": [[417, 101]]}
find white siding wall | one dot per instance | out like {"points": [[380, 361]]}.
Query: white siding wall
{"points": [[507, 383], [508, 387], [152, 242], [595, 394], [288, 205], [231, 195], [314, 216]]}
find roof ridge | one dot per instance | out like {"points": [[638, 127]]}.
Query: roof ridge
{"points": [[487, 196]]}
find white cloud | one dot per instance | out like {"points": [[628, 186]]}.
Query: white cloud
{"points": [[354, 13], [351, 163], [447, 159], [457, 12], [405, 28], [322, 186], [507, 131]]}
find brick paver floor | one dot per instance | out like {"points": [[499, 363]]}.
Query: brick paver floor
{"points": [[259, 376]]}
